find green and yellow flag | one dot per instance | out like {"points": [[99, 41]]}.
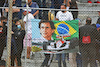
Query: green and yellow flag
{"points": [[66, 28]]}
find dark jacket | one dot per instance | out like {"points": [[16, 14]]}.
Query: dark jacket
{"points": [[17, 40], [91, 30], [3, 36], [19, 36]]}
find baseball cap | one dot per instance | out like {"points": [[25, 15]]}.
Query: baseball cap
{"points": [[97, 25], [29, 10]]}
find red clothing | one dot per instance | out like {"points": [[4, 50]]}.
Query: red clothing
{"points": [[89, 2]]}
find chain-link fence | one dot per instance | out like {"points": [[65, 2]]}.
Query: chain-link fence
{"points": [[23, 23]]}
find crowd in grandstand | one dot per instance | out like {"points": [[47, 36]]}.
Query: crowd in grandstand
{"points": [[22, 32]]}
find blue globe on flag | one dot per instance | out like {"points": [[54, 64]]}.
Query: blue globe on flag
{"points": [[63, 29]]}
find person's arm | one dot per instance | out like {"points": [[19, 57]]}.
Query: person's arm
{"points": [[1, 24], [25, 19], [37, 10], [57, 16], [13, 10], [65, 1], [68, 3], [16, 10], [36, 13], [56, 19]]}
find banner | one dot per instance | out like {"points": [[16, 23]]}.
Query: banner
{"points": [[65, 29]]}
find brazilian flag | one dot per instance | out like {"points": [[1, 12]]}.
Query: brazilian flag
{"points": [[65, 28]]}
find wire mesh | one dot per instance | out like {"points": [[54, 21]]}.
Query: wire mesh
{"points": [[28, 56]]}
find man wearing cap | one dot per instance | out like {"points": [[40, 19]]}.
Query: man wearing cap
{"points": [[88, 51], [28, 29]]}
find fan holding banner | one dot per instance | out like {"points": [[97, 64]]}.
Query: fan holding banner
{"points": [[66, 31]]}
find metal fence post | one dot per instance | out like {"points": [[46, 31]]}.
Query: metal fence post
{"points": [[9, 33]]}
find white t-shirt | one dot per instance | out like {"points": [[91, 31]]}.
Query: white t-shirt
{"points": [[28, 25], [67, 16]]}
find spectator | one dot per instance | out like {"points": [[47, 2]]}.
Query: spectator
{"points": [[14, 10], [33, 5], [3, 20], [98, 40], [1, 42], [28, 28], [73, 5], [63, 16], [18, 37], [87, 48], [13, 43], [97, 43], [46, 30], [3, 34]]}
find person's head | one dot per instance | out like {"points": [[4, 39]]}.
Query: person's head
{"points": [[19, 23], [46, 29], [22, 24], [15, 20], [3, 20], [63, 6], [25, 11], [88, 21]]}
